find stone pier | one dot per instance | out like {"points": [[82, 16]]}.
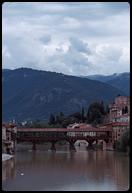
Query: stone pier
{"points": [[71, 146], [53, 146], [90, 145], [34, 146]]}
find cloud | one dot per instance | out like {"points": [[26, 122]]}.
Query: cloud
{"points": [[72, 38], [70, 23], [5, 52], [66, 58], [109, 58], [45, 39], [79, 45]]}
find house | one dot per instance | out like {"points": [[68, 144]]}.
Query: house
{"points": [[119, 117], [119, 108], [80, 126], [8, 138], [118, 128]]}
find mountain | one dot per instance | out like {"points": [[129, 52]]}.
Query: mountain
{"points": [[5, 70], [120, 81], [102, 78], [29, 94]]}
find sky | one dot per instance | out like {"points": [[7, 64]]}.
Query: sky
{"points": [[74, 38]]}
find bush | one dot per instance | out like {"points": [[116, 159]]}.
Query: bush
{"points": [[123, 143]]}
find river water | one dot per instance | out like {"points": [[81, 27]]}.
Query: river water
{"points": [[63, 170]]}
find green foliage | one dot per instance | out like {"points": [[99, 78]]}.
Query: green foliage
{"points": [[51, 119], [76, 115], [82, 115], [107, 109], [96, 113], [95, 116], [123, 143], [65, 123]]}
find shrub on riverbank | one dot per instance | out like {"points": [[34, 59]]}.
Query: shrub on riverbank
{"points": [[123, 143]]}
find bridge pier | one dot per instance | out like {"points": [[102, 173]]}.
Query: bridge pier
{"points": [[53, 146], [104, 145], [90, 145], [34, 146], [72, 147], [108, 145]]}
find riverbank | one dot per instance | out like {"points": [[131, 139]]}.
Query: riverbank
{"points": [[6, 156]]}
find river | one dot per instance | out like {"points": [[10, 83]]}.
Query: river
{"points": [[63, 170]]}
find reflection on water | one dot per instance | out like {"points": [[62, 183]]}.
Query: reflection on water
{"points": [[64, 170], [8, 169]]}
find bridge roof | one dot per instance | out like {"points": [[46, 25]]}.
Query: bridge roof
{"points": [[8, 125], [83, 129], [118, 123]]}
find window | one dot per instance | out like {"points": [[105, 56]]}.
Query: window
{"points": [[123, 111], [126, 109]]}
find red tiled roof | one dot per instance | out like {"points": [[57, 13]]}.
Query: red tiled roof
{"points": [[9, 125], [120, 124], [117, 123], [63, 129]]}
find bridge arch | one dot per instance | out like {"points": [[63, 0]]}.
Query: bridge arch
{"points": [[103, 143], [82, 142]]}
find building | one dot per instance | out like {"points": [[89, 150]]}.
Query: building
{"points": [[122, 118], [8, 138], [119, 116], [118, 128], [80, 126], [119, 108]]}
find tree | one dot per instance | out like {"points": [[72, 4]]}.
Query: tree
{"points": [[123, 143], [51, 119], [107, 109], [61, 114], [77, 116], [124, 140], [57, 119], [102, 108], [95, 114], [66, 122], [82, 115], [61, 117]]}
